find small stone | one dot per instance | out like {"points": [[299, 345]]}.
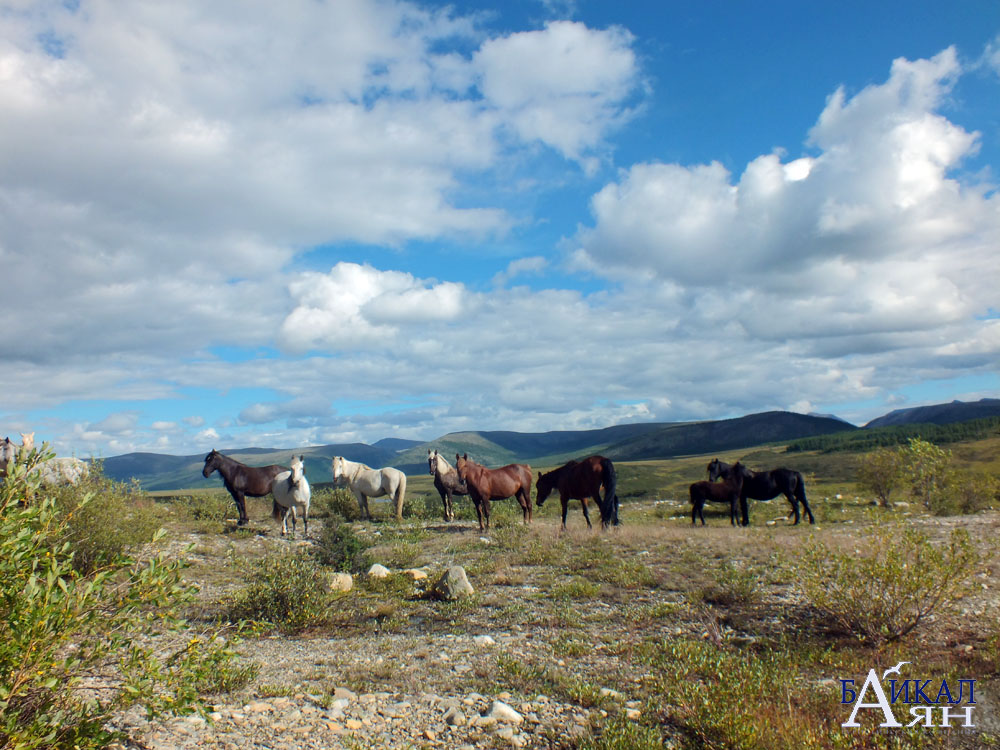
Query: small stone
{"points": [[506, 733], [454, 718], [633, 713], [341, 582], [483, 641], [353, 724], [430, 734], [505, 713], [416, 574], [378, 571], [342, 693], [258, 707], [612, 694]]}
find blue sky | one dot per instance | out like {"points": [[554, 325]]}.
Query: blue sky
{"points": [[236, 224]]}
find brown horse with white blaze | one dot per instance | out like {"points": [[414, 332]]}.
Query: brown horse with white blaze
{"points": [[513, 480]]}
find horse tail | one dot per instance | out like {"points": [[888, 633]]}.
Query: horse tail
{"points": [[800, 488], [400, 495], [609, 478], [276, 510]]}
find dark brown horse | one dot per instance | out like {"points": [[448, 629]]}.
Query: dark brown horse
{"points": [[242, 480], [580, 480], [446, 482], [765, 485], [513, 480], [726, 491]]}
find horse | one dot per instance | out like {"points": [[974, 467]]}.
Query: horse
{"points": [[27, 442], [366, 482], [446, 481], [513, 480], [727, 491], [242, 480], [8, 455], [291, 493], [581, 480], [766, 485]]}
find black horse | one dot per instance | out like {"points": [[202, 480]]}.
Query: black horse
{"points": [[242, 480], [765, 485], [446, 482], [729, 490], [581, 480]]}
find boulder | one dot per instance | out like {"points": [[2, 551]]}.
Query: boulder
{"points": [[454, 584], [378, 571]]}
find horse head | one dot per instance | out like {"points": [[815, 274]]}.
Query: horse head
{"points": [[462, 465], [715, 469], [297, 466], [211, 463], [27, 441], [432, 462], [543, 488], [738, 471]]}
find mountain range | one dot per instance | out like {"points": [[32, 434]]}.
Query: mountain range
{"points": [[629, 442]]}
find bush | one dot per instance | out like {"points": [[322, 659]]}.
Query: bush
{"points": [[881, 473], [928, 469], [78, 648], [109, 520], [211, 507], [341, 549], [288, 591], [337, 503], [735, 584], [886, 588]]}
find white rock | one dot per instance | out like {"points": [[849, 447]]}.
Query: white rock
{"points": [[378, 571], [341, 582], [502, 712]]}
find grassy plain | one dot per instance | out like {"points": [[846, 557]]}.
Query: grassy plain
{"points": [[708, 632]]}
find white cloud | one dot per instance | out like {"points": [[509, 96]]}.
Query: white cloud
{"points": [[565, 85], [360, 306]]}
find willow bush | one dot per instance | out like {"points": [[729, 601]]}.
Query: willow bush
{"points": [[79, 647]]}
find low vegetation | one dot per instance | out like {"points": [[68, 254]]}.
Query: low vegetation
{"points": [[660, 634]]}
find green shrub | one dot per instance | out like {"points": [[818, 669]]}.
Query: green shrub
{"points": [[884, 589], [337, 503], [288, 591], [78, 648], [881, 473], [104, 519], [734, 584], [341, 549], [212, 507]]}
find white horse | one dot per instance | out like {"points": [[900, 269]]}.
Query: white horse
{"points": [[366, 482], [291, 493], [27, 441]]}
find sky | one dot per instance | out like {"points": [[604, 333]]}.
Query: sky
{"points": [[237, 224]]}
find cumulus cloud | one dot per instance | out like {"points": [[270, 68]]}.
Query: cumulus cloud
{"points": [[565, 85], [870, 237]]}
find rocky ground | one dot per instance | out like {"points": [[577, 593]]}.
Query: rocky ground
{"points": [[542, 657]]}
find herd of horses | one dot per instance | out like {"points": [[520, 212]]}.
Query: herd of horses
{"points": [[581, 480]]}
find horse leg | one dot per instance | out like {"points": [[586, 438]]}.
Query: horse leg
{"points": [[565, 509], [524, 497], [586, 513], [241, 508], [305, 520], [800, 494], [483, 518], [444, 503], [745, 509], [363, 504], [795, 506]]}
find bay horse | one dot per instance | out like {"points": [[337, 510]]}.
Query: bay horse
{"points": [[766, 485], [242, 480], [446, 482], [366, 482], [727, 491], [513, 480], [291, 495], [580, 480]]}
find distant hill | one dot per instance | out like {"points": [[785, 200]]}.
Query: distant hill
{"points": [[956, 411], [674, 440], [159, 472], [630, 442]]}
